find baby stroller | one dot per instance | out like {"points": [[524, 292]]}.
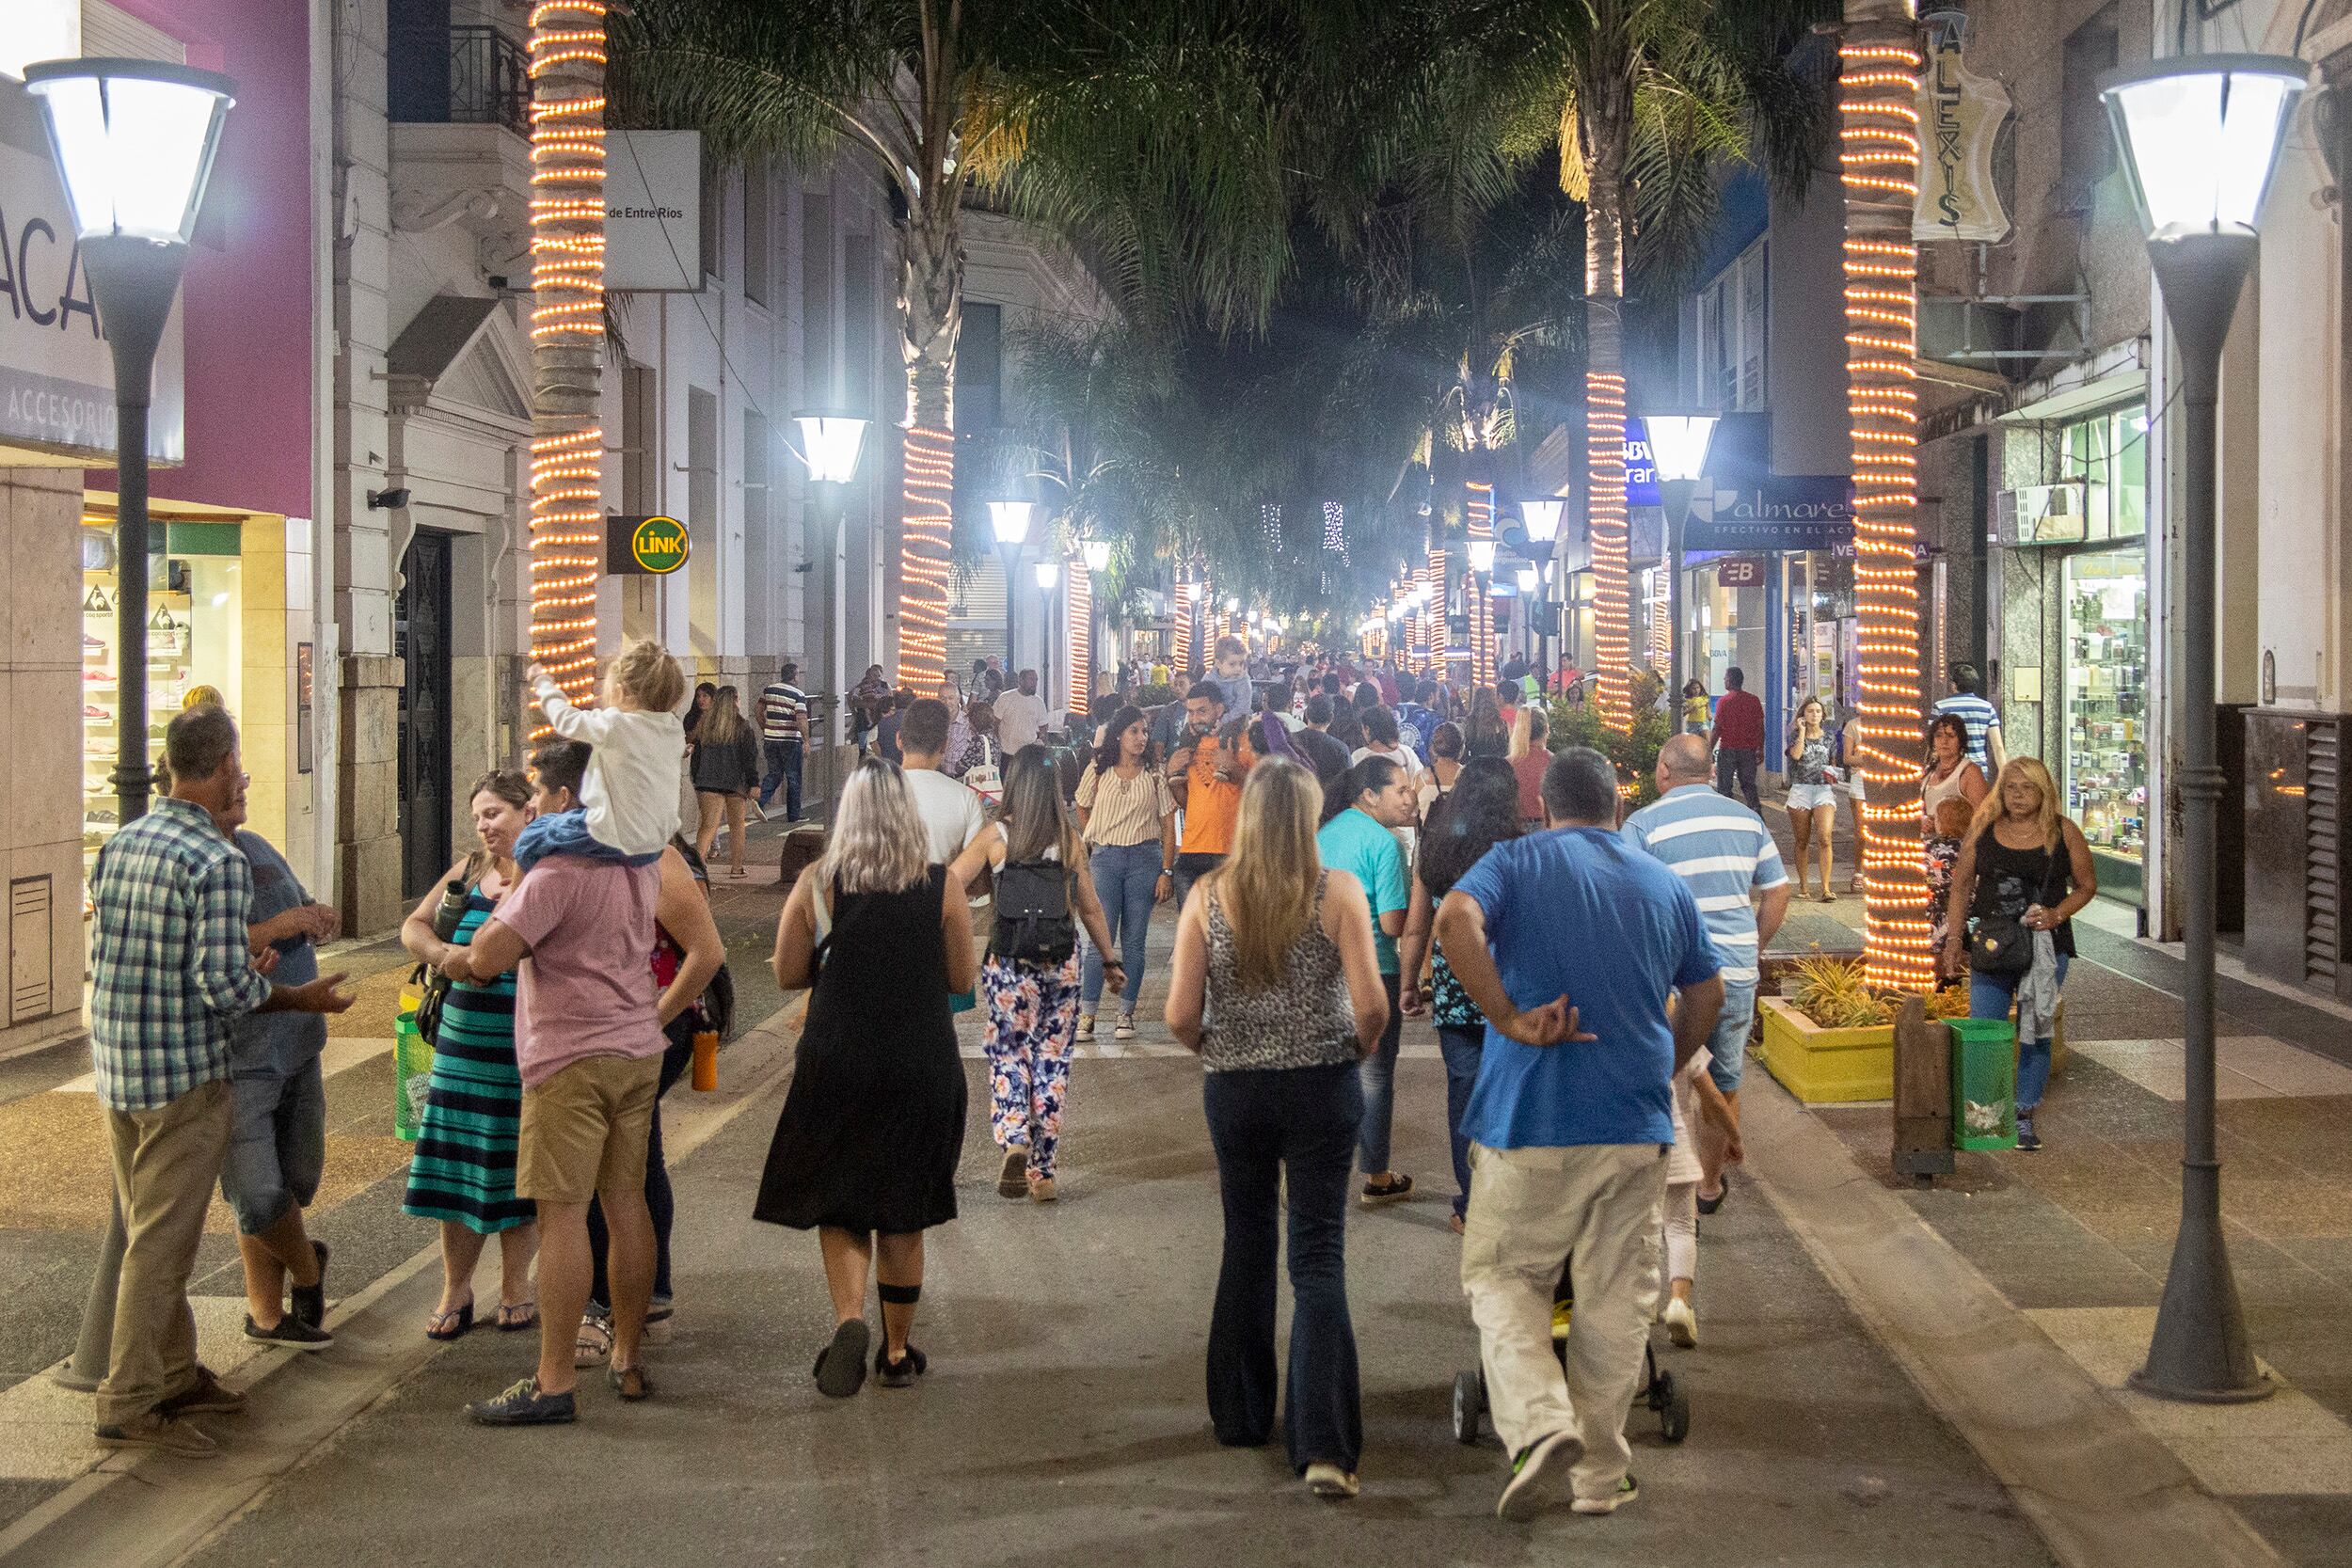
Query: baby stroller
{"points": [[1669, 1401]]}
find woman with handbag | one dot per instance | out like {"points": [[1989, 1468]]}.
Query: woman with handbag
{"points": [[1030, 979], [1129, 820], [462, 1172], [2022, 874], [725, 772]]}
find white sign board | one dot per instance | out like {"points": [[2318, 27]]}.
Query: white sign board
{"points": [[57, 374], [1961, 116], [653, 183]]}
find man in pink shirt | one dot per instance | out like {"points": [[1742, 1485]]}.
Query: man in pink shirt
{"points": [[588, 1040]]}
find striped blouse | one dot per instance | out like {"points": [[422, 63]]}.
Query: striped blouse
{"points": [[1121, 812]]}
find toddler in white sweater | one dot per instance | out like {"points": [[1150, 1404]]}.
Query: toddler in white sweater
{"points": [[629, 800]]}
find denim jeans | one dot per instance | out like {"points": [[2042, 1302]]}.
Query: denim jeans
{"points": [[277, 1144], [1379, 1074], [1734, 774], [1190, 869], [1124, 875], [1285, 1133], [1463, 1048], [1727, 1049], [659, 1197], [784, 768], [1992, 996]]}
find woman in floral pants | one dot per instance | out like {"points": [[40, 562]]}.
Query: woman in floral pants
{"points": [[1030, 977]]}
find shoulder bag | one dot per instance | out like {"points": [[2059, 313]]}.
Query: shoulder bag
{"points": [[432, 985], [2001, 943]]}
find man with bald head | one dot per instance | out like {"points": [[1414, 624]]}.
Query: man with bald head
{"points": [[1725, 854]]}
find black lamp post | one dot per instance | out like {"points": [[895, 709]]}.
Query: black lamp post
{"points": [[133, 142], [2200, 136]]}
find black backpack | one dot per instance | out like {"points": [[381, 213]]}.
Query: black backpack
{"points": [[1033, 920]]}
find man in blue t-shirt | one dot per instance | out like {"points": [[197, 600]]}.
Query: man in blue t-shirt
{"points": [[1361, 840], [1568, 941]]}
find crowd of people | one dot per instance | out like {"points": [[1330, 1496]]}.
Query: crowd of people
{"points": [[1345, 846]]}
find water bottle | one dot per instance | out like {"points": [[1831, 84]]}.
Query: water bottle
{"points": [[706, 1061], [451, 911]]}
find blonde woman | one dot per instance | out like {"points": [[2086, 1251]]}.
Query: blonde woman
{"points": [[726, 770], [864, 1152], [2022, 865], [1279, 953]]}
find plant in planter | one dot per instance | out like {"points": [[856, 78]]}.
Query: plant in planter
{"points": [[1634, 751]]}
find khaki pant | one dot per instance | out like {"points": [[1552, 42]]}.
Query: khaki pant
{"points": [[1530, 1208], [167, 1162], [584, 1130]]}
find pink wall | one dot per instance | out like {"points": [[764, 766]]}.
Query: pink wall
{"points": [[247, 302]]}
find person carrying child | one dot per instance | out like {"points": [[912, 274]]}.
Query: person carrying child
{"points": [[629, 803]]}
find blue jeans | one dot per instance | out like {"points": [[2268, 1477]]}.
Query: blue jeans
{"points": [[1124, 875], [1379, 1074], [1190, 869], [277, 1144], [1285, 1133], [1727, 1049], [566, 833], [784, 768], [1464, 1048], [1992, 996]]}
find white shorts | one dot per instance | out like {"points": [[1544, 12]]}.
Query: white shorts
{"points": [[1806, 797]]}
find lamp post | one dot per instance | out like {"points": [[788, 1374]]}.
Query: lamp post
{"points": [[1540, 516], [2200, 136], [133, 142], [1679, 444], [1048, 574], [1477, 608], [830, 445], [1011, 521]]}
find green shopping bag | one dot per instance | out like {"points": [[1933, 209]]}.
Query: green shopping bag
{"points": [[412, 1075]]}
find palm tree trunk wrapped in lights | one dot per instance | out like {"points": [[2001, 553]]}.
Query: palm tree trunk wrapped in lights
{"points": [[1079, 602], [1478, 514], [1878, 82], [567, 60]]}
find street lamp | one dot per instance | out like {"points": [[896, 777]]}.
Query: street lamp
{"points": [[1540, 516], [1011, 521], [1097, 553], [1047, 573], [830, 446], [2200, 136], [133, 142], [1678, 444]]}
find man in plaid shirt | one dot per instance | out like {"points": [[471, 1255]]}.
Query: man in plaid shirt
{"points": [[171, 968]]}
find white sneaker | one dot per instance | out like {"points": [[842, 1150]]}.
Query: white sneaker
{"points": [[1682, 1323], [1326, 1479], [1539, 1477]]}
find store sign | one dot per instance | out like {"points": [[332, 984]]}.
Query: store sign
{"points": [[1641, 468], [57, 374], [1961, 116], [644, 547], [1782, 512], [653, 216], [1744, 571]]}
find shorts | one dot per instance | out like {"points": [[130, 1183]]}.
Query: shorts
{"points": [[583, 1130], [1729, 1046], [1806, 797], [276, 1145]]}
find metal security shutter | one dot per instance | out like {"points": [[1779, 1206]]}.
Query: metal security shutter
{"points": [[2323, 817]]}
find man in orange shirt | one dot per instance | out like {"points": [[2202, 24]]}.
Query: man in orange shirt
{"points": [[1204, 774]]}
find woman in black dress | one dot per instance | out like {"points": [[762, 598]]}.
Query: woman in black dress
{"points": [[865, 1150]]}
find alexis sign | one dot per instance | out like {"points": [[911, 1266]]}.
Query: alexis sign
{"points": [[1960, 117], [644, 547]]}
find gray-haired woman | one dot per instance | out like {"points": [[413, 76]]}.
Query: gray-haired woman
{"points": [[864, 1152]]}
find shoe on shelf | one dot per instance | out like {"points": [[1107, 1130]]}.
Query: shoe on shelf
{"points": [[1539, 1476], [288, 1333], [206, 1395], [310, 1301], [523, 1405], [1013, 1180], [166, 1433], [1682, 1322], [1628, 1490], [1326, 1479]]}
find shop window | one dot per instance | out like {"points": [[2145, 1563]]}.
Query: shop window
{"points": [[2106, 455], [2106, 674]]}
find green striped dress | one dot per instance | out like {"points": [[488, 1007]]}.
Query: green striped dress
{"points": [[464, 1166]]}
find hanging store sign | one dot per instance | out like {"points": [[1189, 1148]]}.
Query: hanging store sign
{"points": [[644, 547], [1741, 571], [653, 212], [1961, 116], [1782, 512], [1641, 468]]}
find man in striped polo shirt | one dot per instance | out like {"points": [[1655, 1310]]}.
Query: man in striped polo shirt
{"points": [[783, 737], [1723, 852], [1983, 719]]}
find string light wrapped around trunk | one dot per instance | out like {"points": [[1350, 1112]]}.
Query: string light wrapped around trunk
{"points": [[567, 69], [1879, 162], [1478, 514], [1612, 559], [1079, 607], [1432, 631], [1186, 654], [926, 556]]}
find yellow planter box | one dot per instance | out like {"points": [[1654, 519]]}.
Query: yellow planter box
{"points": [[1826, 1066]]}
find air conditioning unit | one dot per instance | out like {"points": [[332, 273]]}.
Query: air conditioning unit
{"points": [[2043, 513]]}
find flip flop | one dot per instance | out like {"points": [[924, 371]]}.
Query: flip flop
{"points": [[510, 1324], [455, 1324], [841, 1368]]}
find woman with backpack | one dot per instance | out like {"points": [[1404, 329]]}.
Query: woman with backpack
{"points": [[1029, 978]]}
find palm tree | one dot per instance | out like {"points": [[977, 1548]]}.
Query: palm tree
{"points": [[1140, 130]]}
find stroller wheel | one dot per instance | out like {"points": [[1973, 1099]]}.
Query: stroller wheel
{"points": [[1674, 1415], [1469, 1403]]}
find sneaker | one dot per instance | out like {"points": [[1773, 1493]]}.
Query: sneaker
{"points": [[1394, 1191], [64, 1376], [310, 1301], [2029, 1142], [523, 1405], [288, 1333], [1627, 1491], [1539, 1476], [1125, 1028], [1708, 1205], [1682, 1323], [1085, 1026], [1327, 1479], [206, 1395], [1562, 1311], [164, 1432]]}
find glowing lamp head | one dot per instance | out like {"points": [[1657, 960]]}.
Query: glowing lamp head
{"points": [[1097, 553], [133, 140], [1196, 592], [1482, 555], [2199, 135], [1679, 443], [1010, 519], [1048, 574], [830, 444], [1527, 579], [1541, 517], [1231, 605]]}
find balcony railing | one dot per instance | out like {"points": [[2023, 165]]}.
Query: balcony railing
{"points": [[458, 76]]}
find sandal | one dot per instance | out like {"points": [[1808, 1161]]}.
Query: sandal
{"points": [[592, 1346], [1013, 1180], [631, 1383], [901, 1373], [508, 1321], [455, 1323], [841, 1368]]}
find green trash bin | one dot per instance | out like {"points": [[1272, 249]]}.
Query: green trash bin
{"points": [[1984, 1082]]}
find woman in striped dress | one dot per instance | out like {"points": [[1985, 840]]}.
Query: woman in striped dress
{"points": [[462, 1172]]}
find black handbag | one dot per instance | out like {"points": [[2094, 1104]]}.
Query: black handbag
{"points": [[2001, 944], [1033, 921]]}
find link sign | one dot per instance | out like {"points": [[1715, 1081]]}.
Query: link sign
{"points": [[644, 547]]}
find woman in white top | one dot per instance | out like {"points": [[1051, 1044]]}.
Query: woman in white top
{"points": [[1129, 819], [1812, 792], [1949, 773], [1029, 978]]}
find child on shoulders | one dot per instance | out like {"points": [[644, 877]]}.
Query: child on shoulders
{"points": [[629, 800]]}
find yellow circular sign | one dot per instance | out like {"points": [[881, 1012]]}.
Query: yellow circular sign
{"points": [[659, 545]]}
